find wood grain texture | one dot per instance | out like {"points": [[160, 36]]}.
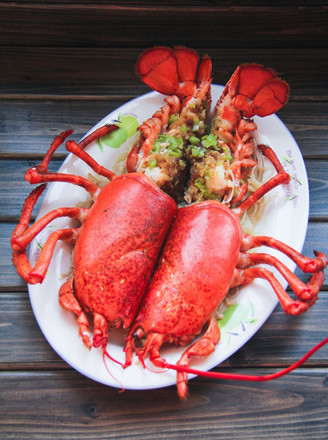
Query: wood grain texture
{"points": [[281, 341], [66, 405], [28, 126], [121, 25], [67, 71]]}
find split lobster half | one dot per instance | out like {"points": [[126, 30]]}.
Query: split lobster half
{"points": [[162, 271]]}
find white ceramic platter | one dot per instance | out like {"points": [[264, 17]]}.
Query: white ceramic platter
{"points": [[285, 218]]}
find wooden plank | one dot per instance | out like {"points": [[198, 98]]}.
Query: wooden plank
{"points": [[14, 189], [281, 341], [41, 120], [204, 3], [67, 406], [38, 24], [111, 72], [317, 175]]}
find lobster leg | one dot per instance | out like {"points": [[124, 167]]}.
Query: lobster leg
{"points": [[290, 306], [303, 291], [40, 173], [100, 331], [74, 148], [35, 175], [99, 132], [70, 303], [38, 272], [307, 265], [23, 235], [203, 347], [281, 178], [22, 239], [78, 150]]}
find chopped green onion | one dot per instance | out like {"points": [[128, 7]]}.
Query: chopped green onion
{"points": [[156, 147], [152, 163], [174, 153], [200, 184], [194, 140], [173, 118], [196, 124], [209, 140], [197, 151], [182, 164]]}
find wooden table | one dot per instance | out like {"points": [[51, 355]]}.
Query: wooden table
{"points": [[67, 64]]}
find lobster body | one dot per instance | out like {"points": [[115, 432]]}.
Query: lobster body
{"points": [[194, 272], [118, 246]]}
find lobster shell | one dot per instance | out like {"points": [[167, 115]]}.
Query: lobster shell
{"points": [[194, 272], [118, 246]]}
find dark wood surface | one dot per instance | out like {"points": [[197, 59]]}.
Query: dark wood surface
{"points": [[66, 64]]}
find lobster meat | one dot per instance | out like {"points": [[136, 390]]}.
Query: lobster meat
{"points": [[112, 265]]}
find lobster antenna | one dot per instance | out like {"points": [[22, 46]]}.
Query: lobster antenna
{"points": [[247, 377], [105, 353]]}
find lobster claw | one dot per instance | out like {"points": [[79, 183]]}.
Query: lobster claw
{"points": [[256, 90], [173, 71]]}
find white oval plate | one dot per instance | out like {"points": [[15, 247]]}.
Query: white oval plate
{"points": [[285, 218]]}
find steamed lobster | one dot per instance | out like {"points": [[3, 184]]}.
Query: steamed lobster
{"points": [[113, 266]]}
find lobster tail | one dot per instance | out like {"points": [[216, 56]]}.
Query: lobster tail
{"points": [[173, 71], [256, 90]]}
